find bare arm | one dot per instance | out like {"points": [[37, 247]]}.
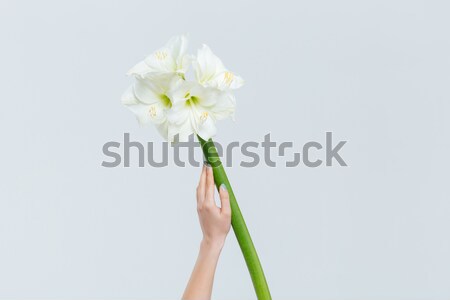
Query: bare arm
{"points": [[215, 223]]}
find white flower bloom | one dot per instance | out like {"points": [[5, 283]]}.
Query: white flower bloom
{"points": [[162, 96], [196, 109], [210, 71], [170, 59], [149, 100]]}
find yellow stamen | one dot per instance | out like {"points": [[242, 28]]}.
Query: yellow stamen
{"points": [[152, 111], [228, 77], [203, 116], [161, 55]]}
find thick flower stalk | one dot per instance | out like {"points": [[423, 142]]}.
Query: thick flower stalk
{"points": [[178, 108], [238, 223]]}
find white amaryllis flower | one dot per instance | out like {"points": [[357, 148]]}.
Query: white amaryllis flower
{"points": [[170, 59], [211, 72], [162, 96], [149, 100], [196, 109]]}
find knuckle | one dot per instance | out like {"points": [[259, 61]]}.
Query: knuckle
{"points": [[209, 207]]}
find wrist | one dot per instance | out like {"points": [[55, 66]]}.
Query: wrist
{"points": [[209, 245]]}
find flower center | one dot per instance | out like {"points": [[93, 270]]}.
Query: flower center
{"points": [[191, 100], [165, 101]]}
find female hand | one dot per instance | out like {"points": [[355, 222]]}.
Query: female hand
{"points": [[215, 221]]}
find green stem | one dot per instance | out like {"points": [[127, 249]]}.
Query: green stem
{"points": [[238, 223]]}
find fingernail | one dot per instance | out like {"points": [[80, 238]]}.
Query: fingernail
{"points": [[207, 164], [223, 187]]}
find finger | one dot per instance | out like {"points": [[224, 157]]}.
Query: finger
{"points": [[209, 189], [224, 200], [201, 185]]}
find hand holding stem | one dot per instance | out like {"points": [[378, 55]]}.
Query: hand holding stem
{"points": [[215, 223]]}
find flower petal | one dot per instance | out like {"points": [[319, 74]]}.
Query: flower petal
{"points": [[178, 115], [210, 71], [163, 129], [170, 58], [180, 133], [225, 106], [128, 98], [207, 65], [146, 91], [206, 127], [144, 112], [206, 96], [178, 47], [139, 70]]}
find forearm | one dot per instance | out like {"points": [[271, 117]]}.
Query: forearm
{"points": [[201, 282]]}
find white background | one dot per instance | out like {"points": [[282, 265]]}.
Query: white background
{"points": [[375, 73]]}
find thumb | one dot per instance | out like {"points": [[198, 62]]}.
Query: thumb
{"points": [[224, 200]]}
